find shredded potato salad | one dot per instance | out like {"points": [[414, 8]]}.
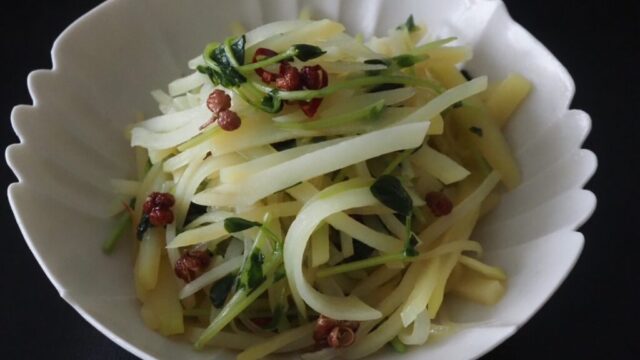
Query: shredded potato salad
{"points": [[311, 192]]}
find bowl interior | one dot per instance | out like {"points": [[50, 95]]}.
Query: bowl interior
{"points": [[106, 63]]}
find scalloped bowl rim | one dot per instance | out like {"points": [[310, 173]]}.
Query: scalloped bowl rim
{"points": [[124, 342]]}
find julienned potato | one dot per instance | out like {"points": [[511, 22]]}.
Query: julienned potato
{"points": [[337, 211]]}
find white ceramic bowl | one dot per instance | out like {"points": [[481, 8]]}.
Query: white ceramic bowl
{"points": [[105, 64]]}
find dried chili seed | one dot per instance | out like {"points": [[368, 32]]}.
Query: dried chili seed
{"points": [[268, 77], [310, 107], [341, 337], [218, 101], [284, 66], [310, 78], [314, 77], [160, 216], [439, 203], [192, 264], [289, 79], [265, 75], [229, 120]]}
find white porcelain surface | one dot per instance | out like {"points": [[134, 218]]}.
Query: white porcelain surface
{"points": [[105, 64]]}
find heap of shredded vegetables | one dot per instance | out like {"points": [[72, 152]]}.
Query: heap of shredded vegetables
{"points": [[352, 197]]}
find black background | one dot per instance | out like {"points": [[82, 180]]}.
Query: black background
{"points": [[593, 315]]}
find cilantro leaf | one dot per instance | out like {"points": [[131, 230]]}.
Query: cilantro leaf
{"points": [[406, 60], [271, 103], [376, 62], [236, 224], [221, 69], [384, 87], [220, 291], [409, 24], [390, 192], [253, 276], [237, 47], [305, 52]]}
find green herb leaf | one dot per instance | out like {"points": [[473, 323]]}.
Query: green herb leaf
{"points": [[253, 276], [221, 67], [220, 291], [305, 52], [411, 252], [385, 87], [143, 226], [376, 62], [271, 103], [237, 47], [202, 69], [236, 224], [409, 24], [230, 77], [390, 192], [406, 60], [219, 55], [411, 241]]}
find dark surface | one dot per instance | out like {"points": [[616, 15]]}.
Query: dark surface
{"points": [[593, 315]]}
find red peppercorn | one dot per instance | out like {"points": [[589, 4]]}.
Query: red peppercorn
{"points": [[439, 203], [341, 337], [289, 79], [324, 325], [147, 206], [160, 216], [157, 199], [164, 200], [334, 333], [314, 77], [218, 101], [229, 120], [211, 120], [192, 264]]}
